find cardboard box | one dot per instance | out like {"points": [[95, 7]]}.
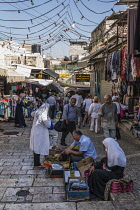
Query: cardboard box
{"points": [[53, 151], [56, 150], [77, 195], [84, 164]]}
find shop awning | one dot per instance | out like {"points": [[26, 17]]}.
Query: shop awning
{"points": [[24, 70], [51, 73], [42, 82], [11, 75]]}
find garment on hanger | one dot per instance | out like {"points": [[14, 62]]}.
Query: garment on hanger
{"points": [[137, 31]]}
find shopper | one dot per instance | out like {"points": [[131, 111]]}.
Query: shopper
{"points": [[19, 116], [67, 99], [107, 117], [110, 167], [93, 111], [86, 104], [78, 106], [52, 102], [39, 138], [69, 118]]}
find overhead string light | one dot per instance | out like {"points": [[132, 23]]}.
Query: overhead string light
{"points": [[29, 29], [82, 17], [27, 36], [113, 10], [93, 10], [32, 3], [63, 22], [39, 37], [55, 24], [31, 21], [72, 25]]}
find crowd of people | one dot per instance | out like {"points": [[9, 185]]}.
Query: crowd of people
{"points": [[103, 116]]}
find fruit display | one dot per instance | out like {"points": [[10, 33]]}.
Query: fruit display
{"points": [[53, 159]]}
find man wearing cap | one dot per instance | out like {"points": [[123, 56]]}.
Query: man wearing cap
{"points": [[107, 117]]}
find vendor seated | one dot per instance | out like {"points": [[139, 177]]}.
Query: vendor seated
{"points": [[110, 167], [85, 147]]}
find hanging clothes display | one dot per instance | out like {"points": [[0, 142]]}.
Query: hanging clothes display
{"points": [[5, 110], [123, 65], [131, 19], [137, 31]]}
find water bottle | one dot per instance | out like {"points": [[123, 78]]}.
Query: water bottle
{"points": [[71, 170]]}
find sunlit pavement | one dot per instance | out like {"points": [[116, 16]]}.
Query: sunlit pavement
{"points": [[40, 191]]}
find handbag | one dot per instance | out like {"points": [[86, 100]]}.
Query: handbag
{"points": [[83, 109], [118, 135], [122, 114], [51, 127], [61, 125], [58, 126]]}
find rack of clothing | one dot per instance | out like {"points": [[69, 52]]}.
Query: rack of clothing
{"points": [[5, 110], [120, 64]]}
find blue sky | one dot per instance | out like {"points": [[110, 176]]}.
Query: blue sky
{"points": [[50, 23]]}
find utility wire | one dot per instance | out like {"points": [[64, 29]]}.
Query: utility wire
{"points": [[37, 16], [98, 13], [82, 14], [14, 2], [20, 10]]}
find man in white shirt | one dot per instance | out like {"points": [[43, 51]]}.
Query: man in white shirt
{"points": [[78, 106], [86, 104]]}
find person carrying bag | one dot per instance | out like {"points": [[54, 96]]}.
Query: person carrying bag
{"points": [[69, 120]]}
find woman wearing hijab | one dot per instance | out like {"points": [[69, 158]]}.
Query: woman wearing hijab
{"points": [[19, 117], [110, 167], [39, 138]]}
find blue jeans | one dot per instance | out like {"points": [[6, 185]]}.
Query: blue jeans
{"points": [[29, 112], [109, 133]]}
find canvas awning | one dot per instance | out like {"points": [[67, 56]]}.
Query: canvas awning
{"points": [[51, 73], [11, 75], [42, 82]]}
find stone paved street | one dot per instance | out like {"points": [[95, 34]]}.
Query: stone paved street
{"points": [[16, 173]]}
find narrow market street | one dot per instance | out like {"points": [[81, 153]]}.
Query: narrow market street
{"points": [[40, 191]]}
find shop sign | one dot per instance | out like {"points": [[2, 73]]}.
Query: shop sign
{"points": [[64, 75], [82, 77]]}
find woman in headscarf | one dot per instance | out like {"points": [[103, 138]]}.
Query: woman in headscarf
{"points": [[110, 167], [39, 138], [19, 117]]}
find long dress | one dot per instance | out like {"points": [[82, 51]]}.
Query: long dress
{"points": [[39, 138], [99, 178], [19, 117]]}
